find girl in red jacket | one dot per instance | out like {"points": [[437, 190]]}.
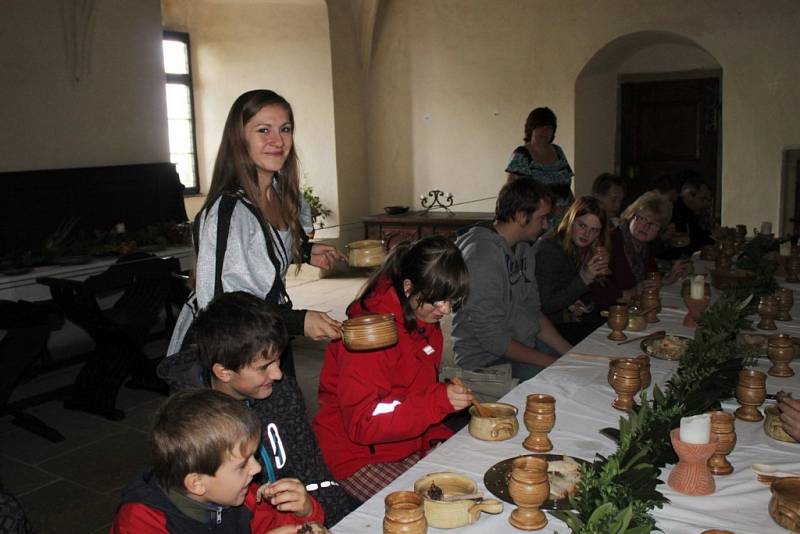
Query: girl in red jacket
{"points": [[381, 411]]}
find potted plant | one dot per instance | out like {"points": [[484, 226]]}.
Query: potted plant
{"points": [[318, 210]]}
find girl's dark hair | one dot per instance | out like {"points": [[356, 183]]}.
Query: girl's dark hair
{"points": [[582, 206], [234, 168], [540, 117], [434, 266]]}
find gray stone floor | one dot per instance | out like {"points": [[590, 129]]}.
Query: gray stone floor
{"points": [[73, 487]]}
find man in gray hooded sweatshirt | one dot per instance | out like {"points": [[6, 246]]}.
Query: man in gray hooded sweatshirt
{"points": [[501, 320]]}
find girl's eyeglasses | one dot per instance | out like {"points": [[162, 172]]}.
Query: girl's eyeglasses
{"points": [[440, 304], [649, 225]]}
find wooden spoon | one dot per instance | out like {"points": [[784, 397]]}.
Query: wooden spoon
{"points": [[483, 411], [656, 333]]}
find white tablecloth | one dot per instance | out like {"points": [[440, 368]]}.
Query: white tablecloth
{"points": [[583, 407]]}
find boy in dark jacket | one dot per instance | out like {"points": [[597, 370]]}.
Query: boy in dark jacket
{"points": [[232, 328], [203, 445]]}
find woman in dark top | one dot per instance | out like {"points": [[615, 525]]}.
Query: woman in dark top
{"points": [[544, 161], [631, 254], [567, 266]]}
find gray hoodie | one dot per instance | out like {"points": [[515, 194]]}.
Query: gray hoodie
{"points": [[503, 303]]}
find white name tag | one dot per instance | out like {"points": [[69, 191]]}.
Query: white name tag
{"points": [[427, 349]]}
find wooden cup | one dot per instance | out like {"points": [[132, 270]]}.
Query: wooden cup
{"points": [[540, 417], [751, 391], [722, 425], [528, 488], [781, 352]]}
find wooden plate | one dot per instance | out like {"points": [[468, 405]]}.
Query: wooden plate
{"points": [[497, 477], [650, 344]]}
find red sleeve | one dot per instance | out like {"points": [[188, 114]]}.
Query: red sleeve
{"points": [[364, 383], [266, 517], [137, 518]]}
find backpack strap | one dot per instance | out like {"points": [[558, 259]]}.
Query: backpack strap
{"points": [[224, 214]]}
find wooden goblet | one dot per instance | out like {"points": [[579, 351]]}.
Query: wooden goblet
{"points": [[617, 321], [722, 425], [691, 475], [696, 308], [528, 488], [655, 276], [784, 296], [404, 514], [643, 361], [781, 351], [751, 391], [540, 417], [768, 311], [626, 382], [651, 302]]}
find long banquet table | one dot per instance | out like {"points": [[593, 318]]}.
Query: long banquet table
{"points": [[583, 407]]}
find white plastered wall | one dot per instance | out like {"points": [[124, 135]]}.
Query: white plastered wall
{"points": [[239, 45], [451, 83]]}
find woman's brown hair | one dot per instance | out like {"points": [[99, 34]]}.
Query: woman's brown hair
{"points": [[234, 168], [433, 265], [586, 205]]}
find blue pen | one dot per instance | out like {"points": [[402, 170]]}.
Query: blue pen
{"points": [[267, 463]]}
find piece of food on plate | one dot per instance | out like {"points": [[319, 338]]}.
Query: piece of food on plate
{"points": [[563, 476], [434, 492], [671, 347]]}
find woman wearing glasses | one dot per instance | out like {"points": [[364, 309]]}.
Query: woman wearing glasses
{"points": [[568, 264], [631, 254], [381, 411]]}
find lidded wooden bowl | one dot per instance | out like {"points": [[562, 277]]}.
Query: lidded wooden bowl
{"points": [[369, 332]]}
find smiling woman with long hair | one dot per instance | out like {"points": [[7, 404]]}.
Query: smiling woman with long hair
{"points": [[381, 410], [248, 233]]}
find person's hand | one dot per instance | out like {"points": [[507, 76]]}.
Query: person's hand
{"points": [[285, 529], [287, 495], [596, 266], [319, 325], [579, 308], [459, 396], [324, 256], [790, 416], [679, 270]]}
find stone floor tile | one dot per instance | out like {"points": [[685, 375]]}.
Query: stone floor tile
{"points": [[105, 465], [79, 429], [19, 478], [65, 507]]}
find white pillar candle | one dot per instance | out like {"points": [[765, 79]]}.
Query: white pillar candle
{"points": [[766, 227], [786, 248], [696, 429], [120, 228], [698, 287]]}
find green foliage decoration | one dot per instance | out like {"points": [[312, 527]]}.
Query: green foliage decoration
{"points": [[617, 493]]}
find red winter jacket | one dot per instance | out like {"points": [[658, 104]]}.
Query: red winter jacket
{"points": [[381, 406]]}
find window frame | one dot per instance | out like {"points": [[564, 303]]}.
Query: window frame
{"points": [[186, 80]]}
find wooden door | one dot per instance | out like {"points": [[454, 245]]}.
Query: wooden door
{"points": [[667, 127]]}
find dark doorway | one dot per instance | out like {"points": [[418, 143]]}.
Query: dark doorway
{"points": [[667, 127]]}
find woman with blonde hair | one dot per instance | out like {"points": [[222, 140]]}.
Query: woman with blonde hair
{"points": [[631, 254], [568, 264]]}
